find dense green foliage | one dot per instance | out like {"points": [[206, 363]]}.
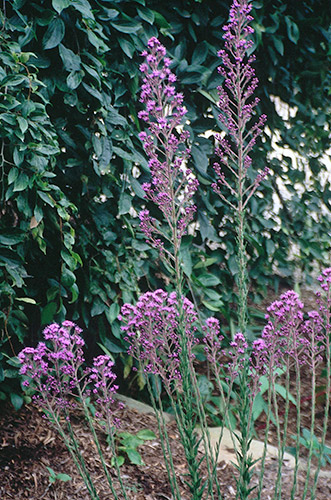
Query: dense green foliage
{"points": [[71, 164]]}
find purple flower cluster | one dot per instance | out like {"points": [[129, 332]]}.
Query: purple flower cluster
{"points": [[323, 298], [283, 332], [173, 184], [236, 103], [288, 335], [54, 371], [287, 338], [152, 329]]}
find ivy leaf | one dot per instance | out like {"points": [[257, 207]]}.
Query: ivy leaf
{"points": [[84, 7], [200, 53], [126, 26], [71, 61], [146, 14], [279, 46], [54, 34], [59, 5], [21, 182], [292, 30], [74, 79], [128, 48]]}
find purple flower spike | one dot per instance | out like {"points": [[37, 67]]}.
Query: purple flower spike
{"points": [[172, 184], [237, 106]]}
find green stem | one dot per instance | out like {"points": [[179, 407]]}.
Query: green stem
{"points": [[285, 425], [266, 435], [103, 463], [312, 424], [165, 444], [298, 426], [73, 448]]}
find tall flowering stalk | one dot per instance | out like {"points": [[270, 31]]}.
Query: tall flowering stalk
{"points": [[237, 113], [54, 371], [171, 190]]}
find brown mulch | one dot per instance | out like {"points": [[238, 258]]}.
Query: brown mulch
{"points": [[29, 445]]}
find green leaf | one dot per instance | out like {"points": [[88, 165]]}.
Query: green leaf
{"points": [[128, 48], [71, 61], [68, 278], [54, 34], [126, 26], [200, 53], [84, 7], [120, 461], [98, 307], [112, 347], [63, 477], [233, 265], [279, 46], [97, 42], [138, 190], [21, 182], [270, 247], [146, 434], [282, 392], [161, 21], [46, 198], [200, 159], [113, 313], [13, 81], [48, 313], [106, 156], [16, 400], [27, 300], [134, 456], [205, 387], [12, 175], [128, 363], [59, 5], [74, 79], [208, 280], [12, 237], [186, 259], [292, 30], [207, 230], [18, 157], [146, 14], [124, 204], [22, 123]]}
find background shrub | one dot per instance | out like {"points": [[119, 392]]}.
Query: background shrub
{"points": [[71, 163]]}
